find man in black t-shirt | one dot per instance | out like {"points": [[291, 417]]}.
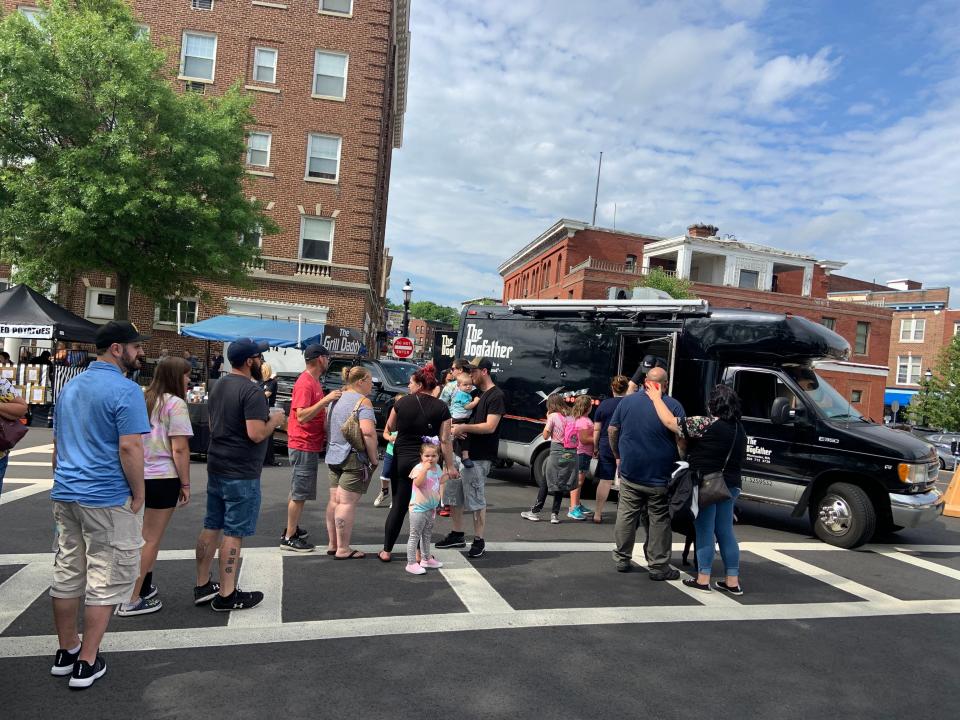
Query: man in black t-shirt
{"points": [[467, 492], [240, 427]]}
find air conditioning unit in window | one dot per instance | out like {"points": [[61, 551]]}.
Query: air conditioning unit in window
{"points": [[201, 4], [617, 293], [197, 87]]}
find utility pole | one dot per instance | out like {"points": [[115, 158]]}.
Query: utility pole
{"points": [[596, 194]]}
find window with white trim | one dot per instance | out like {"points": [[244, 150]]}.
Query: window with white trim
{"points": [[32, 14], [316, 238], [336, 7], [198, 56], [862, 338], [100, 303], [330, 75], [908, 369], [142, 32], [856, 396], [201, 4], [829, 323], [265, 65], [749, 279], [258, 149], [254, 238], [912, 330], [323, 157], [166, 311], [956, 328]]}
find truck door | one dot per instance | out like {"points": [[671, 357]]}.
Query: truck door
{"points": [[774, 467]]}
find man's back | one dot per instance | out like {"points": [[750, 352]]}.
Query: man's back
{"points": [[234, 400], [647, 449]]}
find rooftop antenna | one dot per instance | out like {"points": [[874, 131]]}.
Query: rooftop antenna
{"points": [[596, 193], [614, 216]]}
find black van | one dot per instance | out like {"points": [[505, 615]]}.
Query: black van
{"points": [[808, 449]]}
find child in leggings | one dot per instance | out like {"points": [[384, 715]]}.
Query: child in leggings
{"points": [[426, 477], [560, 470]]}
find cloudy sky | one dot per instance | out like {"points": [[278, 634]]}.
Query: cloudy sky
{"points": [[831, 128]]}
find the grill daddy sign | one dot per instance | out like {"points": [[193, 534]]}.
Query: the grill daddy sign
{"points": [[476, 345], [26, 332]]}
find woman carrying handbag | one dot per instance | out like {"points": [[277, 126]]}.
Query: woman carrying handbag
{"points": [[12, 408], [717, 444]]}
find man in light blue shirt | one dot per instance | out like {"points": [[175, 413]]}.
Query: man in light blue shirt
{"points": [[97, 495]]}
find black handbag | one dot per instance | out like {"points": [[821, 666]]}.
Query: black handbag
{"points": [[11, 432], [713, 487]]}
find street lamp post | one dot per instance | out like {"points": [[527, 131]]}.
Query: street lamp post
{"points": [[926, 393], [407, 292]]}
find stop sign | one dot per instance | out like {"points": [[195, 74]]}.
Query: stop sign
{"points": [[403, 348]]}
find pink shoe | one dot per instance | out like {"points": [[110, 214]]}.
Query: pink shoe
{"points": [[415, 569], [431, 562]]}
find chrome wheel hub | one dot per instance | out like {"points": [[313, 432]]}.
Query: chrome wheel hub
{"points": [[835, 515]]}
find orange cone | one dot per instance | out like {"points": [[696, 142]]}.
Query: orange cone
{"points": [[951, 497]]}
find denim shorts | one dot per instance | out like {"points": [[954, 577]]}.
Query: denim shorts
{"points": [[233, 505], [583, 462]]}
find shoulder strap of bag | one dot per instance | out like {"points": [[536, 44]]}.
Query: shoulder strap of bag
{"points": [[356, 408], [736, 434]]}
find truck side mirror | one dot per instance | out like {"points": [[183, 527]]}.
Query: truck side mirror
{"points": [[781, 412]]}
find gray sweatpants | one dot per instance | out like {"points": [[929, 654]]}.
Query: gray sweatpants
{"points": [[421, 528]]}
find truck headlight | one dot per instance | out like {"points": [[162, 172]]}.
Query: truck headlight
{"points": [[912, 473]]}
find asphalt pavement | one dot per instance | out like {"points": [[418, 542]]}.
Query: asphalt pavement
{"points": [[542, 626]]}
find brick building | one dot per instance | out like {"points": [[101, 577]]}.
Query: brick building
{"points": [[573, 260], [329, 82]]}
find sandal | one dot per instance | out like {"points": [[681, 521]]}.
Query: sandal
{"points": [[354, 555], [331, 552], [382, 559]]}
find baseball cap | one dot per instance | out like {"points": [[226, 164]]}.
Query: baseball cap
{"points": [[480, 363], [244, 348], [312, 352], [118, 331]]}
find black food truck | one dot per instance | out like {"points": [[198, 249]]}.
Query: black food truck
{"points": [[808, 449]]}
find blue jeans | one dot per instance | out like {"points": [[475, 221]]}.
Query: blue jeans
{"points": [[3, 468], [717, 521]]}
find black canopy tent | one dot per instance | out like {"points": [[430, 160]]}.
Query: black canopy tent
{"points": [[26, 314]]}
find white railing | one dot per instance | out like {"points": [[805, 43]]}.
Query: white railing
{"points": [[592, 263]]}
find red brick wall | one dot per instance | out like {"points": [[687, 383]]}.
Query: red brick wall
{"points": [[790, 282], [841, 283]]}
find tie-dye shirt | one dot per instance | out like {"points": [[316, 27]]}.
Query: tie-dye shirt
{"points": [[170, 419], [7, 393], [426, 497]]}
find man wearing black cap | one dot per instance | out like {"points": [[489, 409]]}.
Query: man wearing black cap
{"points": [[240, 428], [467, 492], [306, 435], [98, 495]]}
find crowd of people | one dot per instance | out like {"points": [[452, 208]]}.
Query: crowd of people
{"points": [[122, 466]]}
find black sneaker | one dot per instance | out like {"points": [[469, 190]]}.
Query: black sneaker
{"points": [[203, 594], [239, 600], [477, 549], [63, 663], [732, 589], [670, 574], [296, 544], [300, 533], [149, 592], [452, 540], [84, 674], [624, 567], [692, 583]]}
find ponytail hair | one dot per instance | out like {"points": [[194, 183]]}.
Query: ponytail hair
{"points": [[427, 377], [353, 375]]}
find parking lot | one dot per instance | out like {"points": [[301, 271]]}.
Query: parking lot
{"points": [[541, 624]]}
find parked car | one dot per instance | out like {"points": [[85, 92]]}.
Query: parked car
{"points": [[947, 446]]}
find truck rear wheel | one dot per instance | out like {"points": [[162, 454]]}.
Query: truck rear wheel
{"points": [[538, 468], [844, 516]]}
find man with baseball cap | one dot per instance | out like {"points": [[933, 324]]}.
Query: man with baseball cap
{"points": [[306, 435], [467, 492], [240, 428], [98, 495]]}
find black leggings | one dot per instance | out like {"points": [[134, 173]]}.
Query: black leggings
{"points": [[542, 499], [402, 488]]}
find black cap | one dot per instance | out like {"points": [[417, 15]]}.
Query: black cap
{"points": [[244, 348], [118, 331], [312, 352], [480, 363]]}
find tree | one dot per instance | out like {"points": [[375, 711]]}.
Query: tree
{"points": [[427, 310], [675, 287], [109, 168], [938, 402]]}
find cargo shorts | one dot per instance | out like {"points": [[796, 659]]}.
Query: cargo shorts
{"points": [[305, 466], [467, 491], [97, 552]]}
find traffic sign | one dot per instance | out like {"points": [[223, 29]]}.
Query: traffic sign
{"points": [[403, 348]]}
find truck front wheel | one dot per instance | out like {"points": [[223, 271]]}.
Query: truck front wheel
{"points": [[844, 516]]}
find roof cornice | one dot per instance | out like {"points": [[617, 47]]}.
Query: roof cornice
{"points": [[560, 230]]}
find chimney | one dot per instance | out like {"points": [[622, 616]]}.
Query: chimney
{"points": [[702, 231]]}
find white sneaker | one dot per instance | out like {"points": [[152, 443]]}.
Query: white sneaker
{"points": [[415, 569], [554, 519], [530, 515], [381, 498]]}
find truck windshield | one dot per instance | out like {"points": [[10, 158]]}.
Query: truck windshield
{"points": [[831, 403]]}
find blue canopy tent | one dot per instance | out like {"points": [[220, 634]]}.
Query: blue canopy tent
{"points": [[278, 333]]}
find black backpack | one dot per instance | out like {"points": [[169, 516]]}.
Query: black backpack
{"points": [[680, 489]]}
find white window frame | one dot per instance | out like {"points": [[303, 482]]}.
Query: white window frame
{"points": [[914, 328], [143, 31], [913, 368], [956, 328], [333, 227], [32, 13], [276, 58], [90, 304], [832, 323], [335, 13], [755, 286], [269, 137], [306, 172], [183, 312], [243, 237], [313, 78], [866, 339], [183, 56], [193, 6]]}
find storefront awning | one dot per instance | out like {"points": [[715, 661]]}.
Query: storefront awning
{"points": [[278, 333], [901, 396]]}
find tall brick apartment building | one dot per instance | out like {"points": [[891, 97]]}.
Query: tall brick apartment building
{"points": [[573, 260], [329, 82]]}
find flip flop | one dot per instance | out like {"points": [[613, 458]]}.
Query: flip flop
{"points": [[331, 552], [354, 555], [380, 557]]}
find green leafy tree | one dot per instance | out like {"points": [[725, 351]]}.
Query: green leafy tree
{"points": [[938, 402], [108, 168], [677, 288], [427, 310]]}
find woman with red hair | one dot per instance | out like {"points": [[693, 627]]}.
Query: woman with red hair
{"points": [[415, 418]]}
